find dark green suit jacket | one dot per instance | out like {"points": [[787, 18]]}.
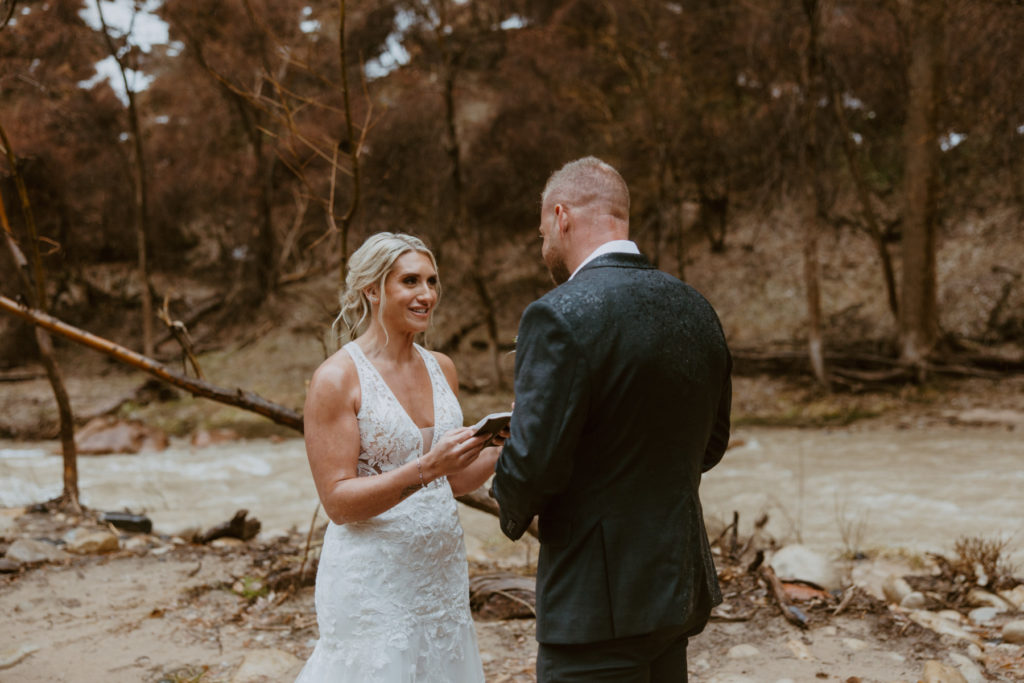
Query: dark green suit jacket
{"points": [[623, 391]]}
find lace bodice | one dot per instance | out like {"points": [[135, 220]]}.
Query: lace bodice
{"points": [[392, 592], [387, 435]]}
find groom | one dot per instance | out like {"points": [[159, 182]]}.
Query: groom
{"points": [[622, 400]]}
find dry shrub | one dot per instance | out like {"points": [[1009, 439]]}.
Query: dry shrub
{"points": [[983, 562]]}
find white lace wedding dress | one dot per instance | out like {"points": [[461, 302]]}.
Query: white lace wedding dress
{"points": [[392, 592]]}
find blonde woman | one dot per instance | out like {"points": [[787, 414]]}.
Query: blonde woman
{"points": [[388, 453]]}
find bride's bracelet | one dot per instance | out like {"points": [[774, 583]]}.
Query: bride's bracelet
{"points": [[419, 469]]}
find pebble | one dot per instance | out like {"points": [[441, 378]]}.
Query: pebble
{"points": [[941, 625], [854, 644], [983, 615], [968, 669], [743, 650], [895, 588], [91, 541], [914, 600], [1013, 632], [977, 597], [937, 672], [800, 650], [1015, 597], [29, 551]]}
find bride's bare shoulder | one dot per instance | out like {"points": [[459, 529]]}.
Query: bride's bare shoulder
{"points": [[336, 377]]}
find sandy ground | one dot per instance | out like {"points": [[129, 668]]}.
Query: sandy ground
{"points": [[159, 611]]}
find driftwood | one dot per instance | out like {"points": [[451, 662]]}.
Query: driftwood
{"points": [[503, 596], [236, 527], [860, 369], [791, 612], [237, 397]]}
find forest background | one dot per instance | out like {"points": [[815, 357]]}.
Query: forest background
{"points": [[843, 179]]}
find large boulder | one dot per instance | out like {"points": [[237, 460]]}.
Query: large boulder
{"points": [[800, 563]]}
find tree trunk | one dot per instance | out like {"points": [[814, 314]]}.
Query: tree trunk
{"points": [[140, 200], [919, 329], [812, 194], [37, 296]]}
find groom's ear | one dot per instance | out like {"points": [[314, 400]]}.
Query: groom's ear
{"points": [[562, 217]]}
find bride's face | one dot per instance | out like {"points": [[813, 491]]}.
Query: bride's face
{"points": [[410, 294]]}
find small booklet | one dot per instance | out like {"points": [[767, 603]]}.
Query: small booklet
{"points": [[492, 424]]}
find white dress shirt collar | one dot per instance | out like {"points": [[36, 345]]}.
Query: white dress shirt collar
{"points": [[613, 247]]}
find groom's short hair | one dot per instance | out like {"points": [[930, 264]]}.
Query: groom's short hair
{"points": [[588, 181]]}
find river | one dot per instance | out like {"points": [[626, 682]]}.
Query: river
{"points": [[855, 488]]}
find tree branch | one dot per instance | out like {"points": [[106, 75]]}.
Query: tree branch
{"points": [[237, 397]]}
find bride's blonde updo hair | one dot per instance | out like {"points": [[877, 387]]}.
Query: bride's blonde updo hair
{"points": [[372, 263]]}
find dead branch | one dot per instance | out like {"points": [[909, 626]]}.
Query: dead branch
{"points": [[239, 398], [790, 612], [180, 333]]}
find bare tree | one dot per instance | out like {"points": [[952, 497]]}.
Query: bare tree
{"points": [[919, 327], [36, 295], [140, 213]]}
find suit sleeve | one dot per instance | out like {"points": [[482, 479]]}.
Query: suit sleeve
{"points": [[719, 440], [551, 406]]}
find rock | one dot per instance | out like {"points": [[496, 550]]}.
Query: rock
{"points": [[10, 657], [91, 541], [854, 644], [895, 588], [209, 437], [800, 650], [743, 650], [1015, 596], [914, 600], [968, 669], [30, 551], [730, 678], [105, 435], [267, 666], [983, 615], [1013, 632], [937, 672], [976, 597], [227, 543], [942, 626], [803, 564], [9, 566]]}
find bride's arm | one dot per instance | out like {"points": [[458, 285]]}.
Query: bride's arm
{"points": [[332, 446]]}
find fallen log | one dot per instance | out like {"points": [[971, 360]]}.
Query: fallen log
{"points": [[236, 397]]}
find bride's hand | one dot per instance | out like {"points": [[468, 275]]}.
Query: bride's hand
{"points": [[453, 452]]}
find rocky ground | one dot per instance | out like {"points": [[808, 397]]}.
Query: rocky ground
{"points": [[87, 602]]}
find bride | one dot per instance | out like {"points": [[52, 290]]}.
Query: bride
{"points": [[388, 453]]}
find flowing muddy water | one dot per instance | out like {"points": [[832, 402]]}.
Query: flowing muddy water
{"points": [[859, 488]]}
